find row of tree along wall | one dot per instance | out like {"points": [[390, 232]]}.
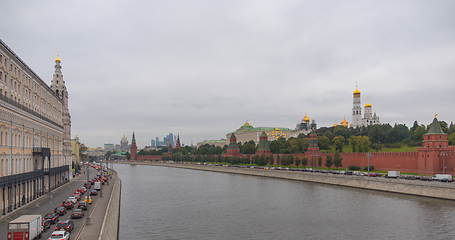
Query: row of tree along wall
{"points": [[402, 161]]}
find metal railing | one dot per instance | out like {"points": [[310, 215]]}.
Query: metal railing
{"points": [[20, 178]]}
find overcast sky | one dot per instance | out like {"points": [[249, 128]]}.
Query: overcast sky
{"points": [[202, 68]]}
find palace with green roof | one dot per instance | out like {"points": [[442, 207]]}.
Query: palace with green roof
{"points": [[248, 133]]}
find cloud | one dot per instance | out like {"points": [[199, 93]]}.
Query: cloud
{"points": [[201, 68]]}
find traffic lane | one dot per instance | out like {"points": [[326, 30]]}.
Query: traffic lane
{"points": [[47, 204], [78, 223]]}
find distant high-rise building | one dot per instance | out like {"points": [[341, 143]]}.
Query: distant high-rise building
{"points": [[169, 140], [153, 143]]}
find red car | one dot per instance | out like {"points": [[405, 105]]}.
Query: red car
{"points": [[60, 211], [68, 205], [77, 213], [66, 225]]}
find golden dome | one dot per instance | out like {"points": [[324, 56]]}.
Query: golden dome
{"points": [[247, 125], [356, 91], [306, 118], [344, 123], [57, 59], [368, 105]]}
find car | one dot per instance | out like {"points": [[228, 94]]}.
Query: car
{"points": [[93, 192], [82, 205], [66, 225], [68, 204], [52, 217], [60, 235], [77, 213], [77, 196], [88, 199], [60, 211], [46, 223], [72, 199]]}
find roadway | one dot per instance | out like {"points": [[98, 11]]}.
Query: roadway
{"points": [[50, 201]]}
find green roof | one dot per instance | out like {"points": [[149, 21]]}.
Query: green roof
{"points": [[265, 129], [435, 127]]}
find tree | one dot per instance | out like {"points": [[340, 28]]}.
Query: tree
{"points": [[328, 161], [444, 126], [337, 160], [294, 145], [304, 161], [339, 141], [324, 142], [248, 147], [452, 138]]}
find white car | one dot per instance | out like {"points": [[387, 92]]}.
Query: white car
{"points": [[59, 235], [72, 199]]}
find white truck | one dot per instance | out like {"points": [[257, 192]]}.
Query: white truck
{"points": [[25, 227], [97, 186], [393, 174], [443, 178]]}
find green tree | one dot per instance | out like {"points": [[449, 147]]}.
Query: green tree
{"points": [[248, 147], [452, 138], [339, 141], [324, 142], [295, 145], [328, 161], [337, 160], [304, 161]]}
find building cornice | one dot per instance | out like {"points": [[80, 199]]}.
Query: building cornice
{"points": [[28, 69]]}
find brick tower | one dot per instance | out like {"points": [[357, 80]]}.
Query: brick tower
{"points": [[233, 148], [263, 145], [177, 144], [313, 154], [133, 148], [432, 154]]}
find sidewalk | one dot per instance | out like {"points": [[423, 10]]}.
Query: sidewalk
{"points": [[91, 228]]}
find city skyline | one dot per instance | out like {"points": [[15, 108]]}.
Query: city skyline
{"points": [[266, 62]]}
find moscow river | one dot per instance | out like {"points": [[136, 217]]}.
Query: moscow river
{"points": [[169, 203]]}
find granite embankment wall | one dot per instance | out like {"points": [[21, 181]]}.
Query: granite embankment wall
{"points": [[110, 227], [418, 188]]}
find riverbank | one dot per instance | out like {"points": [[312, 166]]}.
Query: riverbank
{"points": [[418, 188]]}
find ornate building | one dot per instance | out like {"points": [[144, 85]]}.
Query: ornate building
{"points": [[248, 133], [35, 132], [369, 118], [124, 147]]}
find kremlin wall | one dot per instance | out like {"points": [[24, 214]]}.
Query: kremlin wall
{"points": [[435, 155]]}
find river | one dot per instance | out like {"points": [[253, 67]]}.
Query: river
{"points": [[163, 203]]}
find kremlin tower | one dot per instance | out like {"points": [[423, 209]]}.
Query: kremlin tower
{"points": [[133, 149]]}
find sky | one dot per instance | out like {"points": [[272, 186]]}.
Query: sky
{"points": [[202, 68]]}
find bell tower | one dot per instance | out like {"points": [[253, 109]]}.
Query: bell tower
{"points": [[58, 86]]}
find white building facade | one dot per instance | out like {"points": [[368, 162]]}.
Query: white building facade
{"points": [[369, 118], [35, 132]]}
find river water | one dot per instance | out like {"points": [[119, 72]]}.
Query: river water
{"points": [[162, 203]]}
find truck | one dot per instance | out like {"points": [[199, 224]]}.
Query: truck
{"points": [[97, 186], [442, 178], [25, 227], [393, 174]]}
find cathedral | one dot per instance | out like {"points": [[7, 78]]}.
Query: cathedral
{"points": [[369, 118]]}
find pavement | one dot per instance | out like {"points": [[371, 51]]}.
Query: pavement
{"points": [[48, 202]]}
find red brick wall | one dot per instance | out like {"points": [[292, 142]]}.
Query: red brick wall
{"points": [[149, 157]]}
